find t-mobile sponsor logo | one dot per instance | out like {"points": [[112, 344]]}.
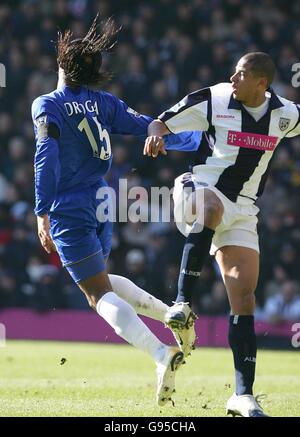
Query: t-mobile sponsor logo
{"points": [[251, 141]]}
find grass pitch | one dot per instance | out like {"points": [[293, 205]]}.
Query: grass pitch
{"points": [[118, 380]]}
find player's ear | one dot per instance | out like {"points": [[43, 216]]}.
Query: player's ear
{"points": [[263, 81]]}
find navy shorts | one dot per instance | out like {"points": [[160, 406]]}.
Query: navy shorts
{"points": [[82, 242]]}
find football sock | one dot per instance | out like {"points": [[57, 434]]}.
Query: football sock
{"points": [[124, 320], [242, 340], [143, 302], [195, 252]]}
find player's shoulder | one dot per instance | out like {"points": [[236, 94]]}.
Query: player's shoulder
{"points": [[221, 94], [223, 89], [105, 96], [44, 102], [109, 103], [288, 106]]}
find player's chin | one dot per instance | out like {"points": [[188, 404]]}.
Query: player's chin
{"points": [[235, 94]]}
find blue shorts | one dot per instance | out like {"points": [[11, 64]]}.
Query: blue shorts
{"points": [[82, 242]]}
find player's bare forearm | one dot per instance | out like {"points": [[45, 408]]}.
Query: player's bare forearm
{"points": [[157, 128], [154, 143]]}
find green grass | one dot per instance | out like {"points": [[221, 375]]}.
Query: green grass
{"points": [[110, 380]]}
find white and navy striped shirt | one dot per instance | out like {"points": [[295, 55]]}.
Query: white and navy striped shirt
{"points": [[241, 148]]}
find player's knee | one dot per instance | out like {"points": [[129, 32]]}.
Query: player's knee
{"points": [[93, 298], [205, 207], [213, 212]]}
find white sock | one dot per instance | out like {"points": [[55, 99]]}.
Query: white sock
{"points": [[143, 302], [124, 320]]}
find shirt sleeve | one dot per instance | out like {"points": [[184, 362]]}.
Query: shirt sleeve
{"points": [[43, 106], [123, 119], [46, 159], [296, 129], [190, 114], [184, 142]]}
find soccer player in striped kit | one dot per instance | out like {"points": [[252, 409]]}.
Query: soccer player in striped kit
{"points": [[244, 121]]}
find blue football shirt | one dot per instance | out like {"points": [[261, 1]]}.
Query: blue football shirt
{"points": [[82, 154]]}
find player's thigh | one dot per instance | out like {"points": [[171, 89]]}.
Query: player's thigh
{"points": [[240, 269]]}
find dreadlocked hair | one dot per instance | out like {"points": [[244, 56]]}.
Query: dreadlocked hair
{"points": [[81, 58]]}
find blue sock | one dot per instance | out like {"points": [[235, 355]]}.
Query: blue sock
{"points": [[195, 252], [242, 340]]}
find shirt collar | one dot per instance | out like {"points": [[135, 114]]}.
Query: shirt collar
{"points": [[275, 103]]}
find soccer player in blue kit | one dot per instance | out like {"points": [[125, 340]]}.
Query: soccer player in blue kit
{"points": [[73, 153]]}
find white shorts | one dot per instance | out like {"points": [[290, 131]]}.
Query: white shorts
{"points": [[239, 221]]}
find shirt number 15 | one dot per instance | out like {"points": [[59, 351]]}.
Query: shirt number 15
{"points": [[105, 152]]}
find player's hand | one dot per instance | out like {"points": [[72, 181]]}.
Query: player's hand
{"points": [[154, 145], [44, 233]]}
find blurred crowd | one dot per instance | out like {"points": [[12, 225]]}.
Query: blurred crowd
{"points": [[166, 49]]}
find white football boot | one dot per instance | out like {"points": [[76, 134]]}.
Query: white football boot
{"points": [[166, 368], [245, 406], [181, 320]]}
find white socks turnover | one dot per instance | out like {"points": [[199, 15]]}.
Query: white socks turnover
{"points": [[143, 302], [124, 320]]}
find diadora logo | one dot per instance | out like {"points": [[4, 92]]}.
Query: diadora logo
{"points": [[251, 141], [225, 116]]}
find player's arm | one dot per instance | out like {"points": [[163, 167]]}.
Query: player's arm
{"points": [[46, 166], [123, 119], [154, 143], [163, 141], [190, 114]]}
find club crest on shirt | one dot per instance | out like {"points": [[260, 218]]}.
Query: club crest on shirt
{"points": [[284, 123]]}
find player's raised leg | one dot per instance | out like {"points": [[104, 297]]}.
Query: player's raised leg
{"points": [[239, 267], [143, 302], [180, 317], [124, 320]]}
